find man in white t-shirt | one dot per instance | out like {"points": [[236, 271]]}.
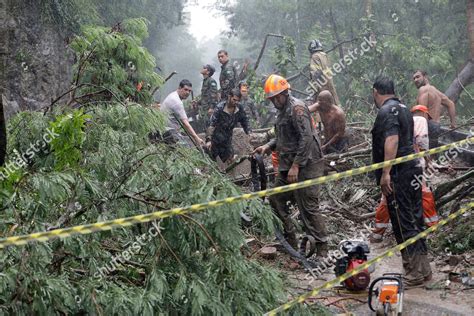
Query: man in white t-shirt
{"points": [[173, 105]]}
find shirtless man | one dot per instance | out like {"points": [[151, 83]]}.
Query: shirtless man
{"points": [[334, 121], [432, 98]]}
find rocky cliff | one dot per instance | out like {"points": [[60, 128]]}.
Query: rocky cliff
{"points": [[36, 65]]}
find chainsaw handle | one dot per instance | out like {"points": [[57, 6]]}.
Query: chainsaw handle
{"points": [[371, 288]]}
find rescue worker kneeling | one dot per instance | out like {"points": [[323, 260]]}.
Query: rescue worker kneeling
{"points": [[300, 159]]}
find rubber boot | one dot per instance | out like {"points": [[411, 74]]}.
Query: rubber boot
{"points": [[426, 268], [414, 268]]}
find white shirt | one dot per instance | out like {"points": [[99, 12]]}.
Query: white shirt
{"points": [[174, 106], [420, 135]]}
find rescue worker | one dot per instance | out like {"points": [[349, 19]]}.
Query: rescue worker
{"points": [[421, 143], [177, 117], [392, 137], [321, 75], [209, 95], [249, 105], [300, 159], [228, 76], [334, 122], [225, 118], [433, 99]]}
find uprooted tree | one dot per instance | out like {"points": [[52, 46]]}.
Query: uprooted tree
{"points": [[98, 165]]}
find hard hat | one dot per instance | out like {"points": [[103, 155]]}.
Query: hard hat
{"points": [[421, 108], [275, 85], [314, 46]]}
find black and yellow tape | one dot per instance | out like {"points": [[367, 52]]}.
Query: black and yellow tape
{"points": [[390, 252], [128, 221]]}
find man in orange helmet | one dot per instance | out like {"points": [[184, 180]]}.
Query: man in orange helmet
{"points": [[300, 159]]}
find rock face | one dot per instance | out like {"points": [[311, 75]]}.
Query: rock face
{"points": [[242, 147], [35, 63]]}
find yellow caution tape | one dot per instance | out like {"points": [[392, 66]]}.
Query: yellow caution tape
{"points": [[366, 265], [128, 221]]}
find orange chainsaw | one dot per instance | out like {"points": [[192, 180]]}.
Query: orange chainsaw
{"points": [[390, 294]]}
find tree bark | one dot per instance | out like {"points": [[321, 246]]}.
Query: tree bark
{"points": [[336, 33], [470, 25], [368, 8], [3, 134], [446, 187], [463, 79], [466, 75]]}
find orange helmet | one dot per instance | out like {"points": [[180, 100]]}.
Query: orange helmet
{"points": [[275, 85], [421, 108]]}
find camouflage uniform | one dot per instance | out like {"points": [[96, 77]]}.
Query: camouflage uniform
{"points": [[221, 130], [209, 97], [227, 79], [321, 76], [251, 110], [298, 143]]}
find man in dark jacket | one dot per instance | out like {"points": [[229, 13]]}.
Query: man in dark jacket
{"points": [[228, 76], [392, 137], [300, 159], [225, 118]]}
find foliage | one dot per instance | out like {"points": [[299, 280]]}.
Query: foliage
{"points": [[409, 36], [456, 238], [113, 64], [101, 165], [194, 267], [68, 144], [72, 14], [285, 54]]}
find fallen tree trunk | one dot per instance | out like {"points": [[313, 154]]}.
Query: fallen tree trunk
{"points": [[446, 187], [348, 154], [466, 75], [463, 79], [461, 193]]}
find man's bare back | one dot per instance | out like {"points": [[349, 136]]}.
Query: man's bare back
{"points": [[332, 117], [434, 99]]}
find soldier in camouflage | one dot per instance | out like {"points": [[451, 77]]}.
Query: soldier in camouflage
{"points": [[228, 76], [300, 159], [249, 105], [209, 95]]}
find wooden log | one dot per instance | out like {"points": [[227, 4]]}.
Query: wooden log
{"points": [[348, 154], [446, 187], [268, 252]]}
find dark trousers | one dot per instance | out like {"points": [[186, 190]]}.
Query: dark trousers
{"points": [[405, 209], [307, 200], [223, 151], [434, 129]]}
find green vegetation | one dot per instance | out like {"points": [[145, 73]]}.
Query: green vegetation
{"points": [[430, 35], [101, 165]]}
